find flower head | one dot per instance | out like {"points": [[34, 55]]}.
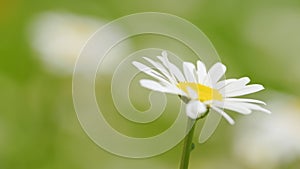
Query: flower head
{"points": [[264, 133], [201, 89], [58, 37]]}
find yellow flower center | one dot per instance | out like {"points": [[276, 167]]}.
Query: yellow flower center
{"points": [[205, 93]]}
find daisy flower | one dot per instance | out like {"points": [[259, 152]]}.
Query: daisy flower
{"points": [[201, 89], [58, 37]]}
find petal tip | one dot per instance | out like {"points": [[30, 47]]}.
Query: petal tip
{"points": [[261, 86], [221, 64], [268, 111], [135, 63]]}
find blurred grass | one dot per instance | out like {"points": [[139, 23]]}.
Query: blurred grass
{"points": [[38, 125]]}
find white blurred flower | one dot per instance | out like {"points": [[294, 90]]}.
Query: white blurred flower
{"points": [[202, 88], [59, 37], [267, 141]]}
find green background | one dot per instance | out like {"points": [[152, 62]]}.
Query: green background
{"points": [[38, 124]]}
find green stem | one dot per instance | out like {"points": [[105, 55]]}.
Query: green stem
{"points": [[187, 146]]}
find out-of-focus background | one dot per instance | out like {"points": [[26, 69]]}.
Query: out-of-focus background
{"points": [[39, 43]]}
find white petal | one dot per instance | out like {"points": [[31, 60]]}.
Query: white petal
{"points": [[189, 71], [216, 72], [207, 81], [175, 88], [195, 109], [223, 83], [174, 70], [150, 71], [234, 106], [255, 107], [235, 85], [191, 93], [152, 85], [225, 115], [161, 69], [245, 100], [201, 71], [246, 90]]}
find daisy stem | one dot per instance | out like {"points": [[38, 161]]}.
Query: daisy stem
{"points": [[187, 146]]}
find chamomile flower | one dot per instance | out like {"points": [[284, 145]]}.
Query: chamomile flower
{"points": [[264, 133], [201, 89], [57, 38]]}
